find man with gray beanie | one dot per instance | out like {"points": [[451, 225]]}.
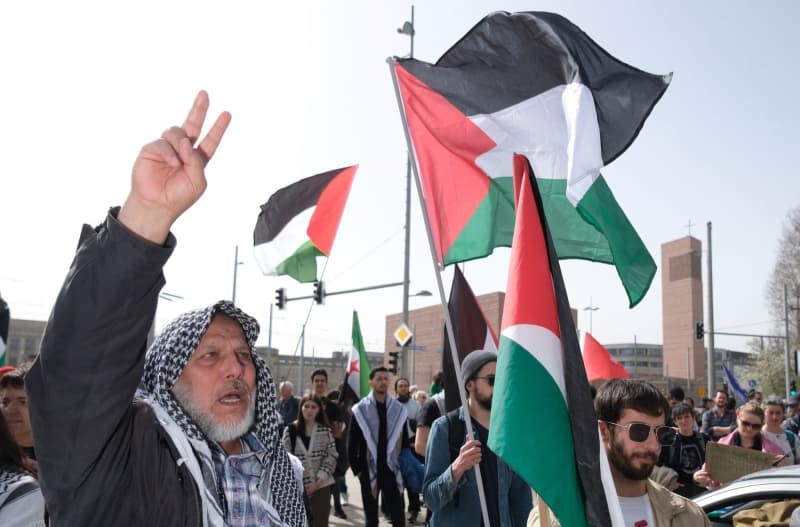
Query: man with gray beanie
{"points": [[186, 434], [450, 487]]}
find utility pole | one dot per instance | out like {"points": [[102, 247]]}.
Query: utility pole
{"points": [[407, 29], [786, 329], [710, 350]]}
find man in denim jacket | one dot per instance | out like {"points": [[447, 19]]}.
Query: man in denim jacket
{"points": [[450, 487]]}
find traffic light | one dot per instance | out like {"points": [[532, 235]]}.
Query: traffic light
{"points": [[793, 389], [393, 355], [319, 291], [699, 331], [280, 298]]}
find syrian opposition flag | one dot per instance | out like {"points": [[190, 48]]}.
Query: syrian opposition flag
{"points": [[535, 84], [5, 319], [599, 363], [471, 330], [356, 376], [299, 223], [543, 422]]}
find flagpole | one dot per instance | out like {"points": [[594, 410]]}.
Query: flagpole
{"points": [[436, 265]]}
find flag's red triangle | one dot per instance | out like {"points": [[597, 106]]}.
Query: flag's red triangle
{"points": [[599, 363], [330, 206]]}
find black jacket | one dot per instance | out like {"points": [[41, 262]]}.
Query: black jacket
{"points": [[103, 458]]}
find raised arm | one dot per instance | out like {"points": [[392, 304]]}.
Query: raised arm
{"points": [[81, 385]]}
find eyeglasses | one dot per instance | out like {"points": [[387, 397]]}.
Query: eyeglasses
{"points": [[639, 432], [748, 424], [488, 378]]}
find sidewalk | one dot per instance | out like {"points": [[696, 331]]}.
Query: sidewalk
{"points": [[355, 510]]}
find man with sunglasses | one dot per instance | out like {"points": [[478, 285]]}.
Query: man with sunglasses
{"points": [[450, 487], [632, 417]]}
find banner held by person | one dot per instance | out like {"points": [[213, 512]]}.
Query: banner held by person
{"points": [[530, 83], [299, 223]]}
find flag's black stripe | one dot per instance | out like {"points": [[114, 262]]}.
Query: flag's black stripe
{"points": [[469, 328], [579, 399], [287, 203], [5, 319], [508, 58]]}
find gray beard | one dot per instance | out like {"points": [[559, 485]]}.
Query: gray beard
{"points": [[214, 430]]}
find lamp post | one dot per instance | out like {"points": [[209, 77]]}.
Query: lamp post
{"points": [[407, 29], [590, 308], [236, 264]]}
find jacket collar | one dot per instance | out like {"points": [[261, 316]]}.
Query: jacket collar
{"points": [[665, 504]]}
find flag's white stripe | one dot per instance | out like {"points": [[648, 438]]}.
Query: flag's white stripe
{"points": [[610, 490], [544, 346], [489, 344], [271, 254], [556, 130]]}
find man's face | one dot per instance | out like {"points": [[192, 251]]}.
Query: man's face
{"points": [[319, 383], [14, 404], [380, 383], [402, 387], [630, 459], [721, 400], [479, 386], [216, 388], [774, 415], [286, 392]]}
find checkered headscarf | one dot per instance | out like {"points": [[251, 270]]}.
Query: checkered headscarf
{"points": [[164, 363]]}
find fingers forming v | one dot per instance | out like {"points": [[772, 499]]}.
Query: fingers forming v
{"points": [[197, 116], [212, 139]]}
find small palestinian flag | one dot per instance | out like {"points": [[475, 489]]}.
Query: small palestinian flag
{"points": [[299, 223], [534, 84], [599, 363]]}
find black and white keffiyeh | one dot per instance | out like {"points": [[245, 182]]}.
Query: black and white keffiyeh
{"points": [[164, 363], [10, 476]]}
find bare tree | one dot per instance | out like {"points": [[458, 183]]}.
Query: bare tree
{"points": [[766, 366], [786, 272]]}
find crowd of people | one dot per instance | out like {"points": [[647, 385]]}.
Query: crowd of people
{"points": [[101, 430]]}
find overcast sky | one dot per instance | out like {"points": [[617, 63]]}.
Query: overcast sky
{"points": [[86, 84]]}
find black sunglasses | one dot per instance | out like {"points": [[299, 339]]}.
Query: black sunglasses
{"points": [[639, 432], [489, 379], [748, 424]]}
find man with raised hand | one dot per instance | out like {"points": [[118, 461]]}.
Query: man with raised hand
{"points": [[197, 443]]}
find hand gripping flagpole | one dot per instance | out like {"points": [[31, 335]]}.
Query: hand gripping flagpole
{"points": [[392, 61]]}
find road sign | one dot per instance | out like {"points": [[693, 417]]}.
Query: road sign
{"points": [[752, 383], [701, 391], [402, 334]]}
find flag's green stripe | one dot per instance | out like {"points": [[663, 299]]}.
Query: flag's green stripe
{"points": [[492, 225], [363, 362], [530, 430], [302, 264], [635, 266], [597, 231]]}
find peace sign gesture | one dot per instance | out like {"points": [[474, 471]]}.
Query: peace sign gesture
{"points": [[169, 174]]}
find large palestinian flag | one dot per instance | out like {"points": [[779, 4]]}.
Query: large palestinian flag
{"points": [[472, 332], [535, 84], [299, 223], [543, 422]]}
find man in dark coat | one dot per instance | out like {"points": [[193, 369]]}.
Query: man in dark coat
{"points": [[197, 443]]}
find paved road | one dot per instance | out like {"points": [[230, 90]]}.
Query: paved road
{"points": [[355, 510]]}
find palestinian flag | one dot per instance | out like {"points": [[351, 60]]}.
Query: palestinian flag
{"points": [[5, 320], [471, 330], [534, 84], [299, 223], [599, 363], [540, 373], [356, 373]]}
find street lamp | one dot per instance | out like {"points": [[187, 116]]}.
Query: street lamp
{"points": [[590, 308], [236, 264]]}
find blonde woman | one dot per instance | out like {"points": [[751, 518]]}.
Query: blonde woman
{"points": [[310, 438]]}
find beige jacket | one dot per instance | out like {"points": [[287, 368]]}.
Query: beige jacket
{"points": [[669, 510]]}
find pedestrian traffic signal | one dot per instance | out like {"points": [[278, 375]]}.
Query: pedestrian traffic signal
{"points": [[319, 291], [393, 356], [280, 298], [699, 331]]}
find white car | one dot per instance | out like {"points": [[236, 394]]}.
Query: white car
{"points": [[749, 492]]}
